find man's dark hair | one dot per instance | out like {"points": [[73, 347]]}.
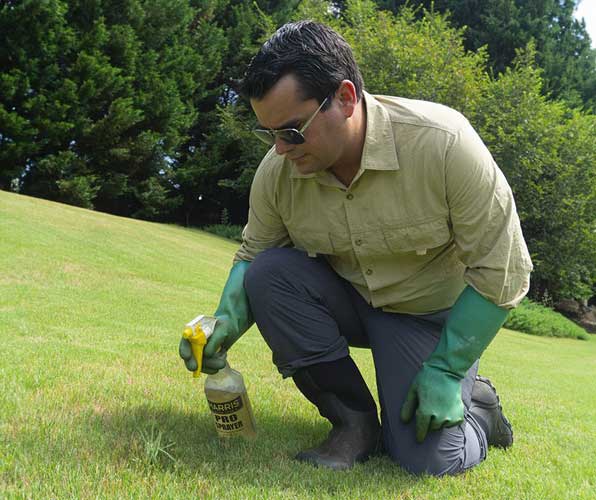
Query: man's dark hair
{"points": [[316, 55]]}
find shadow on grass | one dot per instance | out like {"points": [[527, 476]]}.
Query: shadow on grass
{"points": [[263, 463]]}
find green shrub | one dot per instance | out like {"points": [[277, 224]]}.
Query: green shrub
{"points": [[229, 231], [535, 319]]}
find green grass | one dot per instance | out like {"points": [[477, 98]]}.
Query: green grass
{"points": [[94, 402]]}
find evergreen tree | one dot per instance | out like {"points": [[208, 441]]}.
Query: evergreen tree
{"points": [[35, 101], [98, 97], [221, 156]]}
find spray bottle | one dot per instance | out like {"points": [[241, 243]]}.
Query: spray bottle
{"points": [[225, 390]]}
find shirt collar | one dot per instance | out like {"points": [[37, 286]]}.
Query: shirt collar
{"points": [[379, 151]]}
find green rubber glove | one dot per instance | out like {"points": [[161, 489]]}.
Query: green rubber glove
{"points": [[435, 394], [234, 318]]}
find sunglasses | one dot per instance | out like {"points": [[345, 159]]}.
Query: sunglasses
{"points": [[288, 135]]}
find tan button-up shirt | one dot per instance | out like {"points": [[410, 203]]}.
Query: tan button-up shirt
{"points": [[428, 212]]}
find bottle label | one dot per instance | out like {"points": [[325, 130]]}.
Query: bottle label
{"points": [[232, 416], [227, 407]]}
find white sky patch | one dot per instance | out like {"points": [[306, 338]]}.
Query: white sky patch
{"points": [[587, 10]]}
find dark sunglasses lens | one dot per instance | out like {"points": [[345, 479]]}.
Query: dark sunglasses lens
{"points": [[291, 136]]}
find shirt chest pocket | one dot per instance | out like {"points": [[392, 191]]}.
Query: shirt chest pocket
{"points": [[312, 243], [417, 238]]}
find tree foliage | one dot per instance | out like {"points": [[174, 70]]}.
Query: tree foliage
{"points": [[563, 46], [546, 151], [104, 91], [220, 158]]}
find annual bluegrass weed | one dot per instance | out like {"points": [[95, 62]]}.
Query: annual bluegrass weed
{"points": [[155, 448]]}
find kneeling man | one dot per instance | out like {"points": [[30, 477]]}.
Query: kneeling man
{"points": [[377, 222]]}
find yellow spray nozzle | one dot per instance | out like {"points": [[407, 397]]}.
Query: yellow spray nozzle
{"points": [[197, 339]]}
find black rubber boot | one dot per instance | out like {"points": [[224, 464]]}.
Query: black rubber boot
{"points": [[356, 433], [486, 408]]}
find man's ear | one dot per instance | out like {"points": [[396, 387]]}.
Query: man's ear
{"points": [[347, 98]]}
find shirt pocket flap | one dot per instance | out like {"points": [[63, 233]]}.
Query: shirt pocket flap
{"points": [[313, 243], [417, 237]]}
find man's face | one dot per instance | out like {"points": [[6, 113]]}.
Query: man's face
{"points": [[283, 107]]}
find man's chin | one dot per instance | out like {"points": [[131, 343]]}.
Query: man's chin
{"points": [[300, 160], [304, 165]]}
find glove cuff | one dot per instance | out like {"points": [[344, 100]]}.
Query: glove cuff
{"points": [[472, 324]]}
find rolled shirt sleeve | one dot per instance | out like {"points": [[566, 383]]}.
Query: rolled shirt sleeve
{"points": [[487, 232]]}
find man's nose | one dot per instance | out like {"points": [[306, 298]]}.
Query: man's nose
{"points": [[282, 147]]}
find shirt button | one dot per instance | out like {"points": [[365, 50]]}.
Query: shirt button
{"points": [[369, 271], [358, 242], [349, 196]]}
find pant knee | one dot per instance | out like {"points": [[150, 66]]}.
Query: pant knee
{"points": [[266, 265], [435, 456], [284, 287]]}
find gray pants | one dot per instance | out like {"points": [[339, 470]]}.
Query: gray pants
{"points": [[307, 314]]}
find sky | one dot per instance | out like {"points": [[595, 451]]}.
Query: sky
{"points": [[587, 10]]}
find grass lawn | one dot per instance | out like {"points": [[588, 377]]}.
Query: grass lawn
{"points": [[95, 403]]}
